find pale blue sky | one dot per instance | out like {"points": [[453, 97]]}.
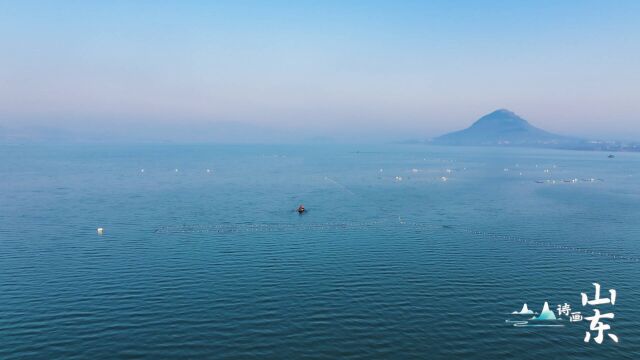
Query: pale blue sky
{"points": [[336, 68]]}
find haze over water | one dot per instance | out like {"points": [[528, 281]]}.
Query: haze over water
{"points": [[197, 264], [277, 71]]}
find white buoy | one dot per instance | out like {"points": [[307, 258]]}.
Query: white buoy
{"points": [[141, 170], [208, 170], [414, 170], [100, 231], [444, 178], [176, 170]]}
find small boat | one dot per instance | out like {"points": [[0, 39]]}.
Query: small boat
{"points": [[611, 156], [300, 209]]}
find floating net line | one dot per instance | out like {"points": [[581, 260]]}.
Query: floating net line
{"points": [[263, 227], [554, 245], [227, 228]]}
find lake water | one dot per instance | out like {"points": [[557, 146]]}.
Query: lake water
{"points": [[196, 264]]}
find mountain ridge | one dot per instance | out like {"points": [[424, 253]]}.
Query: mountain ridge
{"points": [[503, 127]]}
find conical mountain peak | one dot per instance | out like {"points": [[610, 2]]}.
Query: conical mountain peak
{"points": [[502, 119], [501, 127]]}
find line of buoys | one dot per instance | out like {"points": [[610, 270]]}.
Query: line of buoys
{"points": [[571, 181], [553, 245], [178, 170]]}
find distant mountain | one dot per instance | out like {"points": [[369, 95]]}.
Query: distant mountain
{"points": [[504, 127]]}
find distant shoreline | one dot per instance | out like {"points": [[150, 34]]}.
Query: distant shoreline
{"points": [[608, 146]]}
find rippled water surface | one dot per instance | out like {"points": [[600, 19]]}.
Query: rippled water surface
{"points": [[390, 261]]}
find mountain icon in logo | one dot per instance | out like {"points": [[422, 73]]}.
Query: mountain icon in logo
{"points": [[545, 314], [525, 311]]}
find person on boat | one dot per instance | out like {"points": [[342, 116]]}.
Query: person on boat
{"points": [[300, 209]]}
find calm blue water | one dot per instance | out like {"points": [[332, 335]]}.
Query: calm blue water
{"points": [[218, 265]]}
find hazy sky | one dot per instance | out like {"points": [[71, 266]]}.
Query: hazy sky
{"points": [[320, 68]]}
